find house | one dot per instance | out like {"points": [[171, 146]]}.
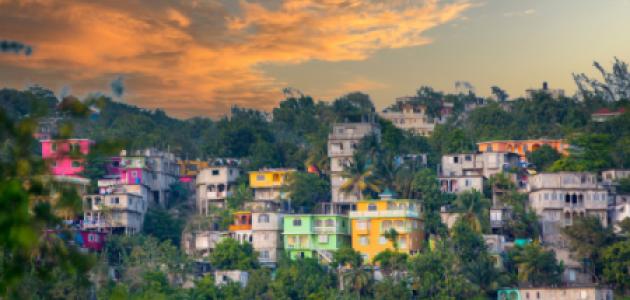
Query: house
{"points": [[119, 212], [223, 277], [406, 115], [372, 219], [613, 175], [554, 93], [66, 156], [269, 184], [605, 114], [315, 235], [522, 147], [587, 292], [200, 243], [619, 210], [342, 142], [188, 169], [267, 236], [157, 169], [241, 228], [213, 186], [558, 199], [485, 164]]}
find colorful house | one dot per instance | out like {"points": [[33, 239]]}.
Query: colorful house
{"points": [[315, 235], [372, 219], [67, 156], [522, 147], [241, 228], [188, 169], [268, 183]]}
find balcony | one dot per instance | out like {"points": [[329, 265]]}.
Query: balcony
{"points": [[237, 227], [497, 223], [325, 229], [385, 214], [217, 195]]}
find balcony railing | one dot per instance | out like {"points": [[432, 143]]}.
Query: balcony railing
{"points": [[385, 214], [240, 227], [325, 229], [399, 229]]}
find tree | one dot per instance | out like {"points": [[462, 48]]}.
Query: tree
{"points": [[543, 157], [500, 94], [388, 289], [616, 85], [229, 254], [304, 279], [475, 262], [241, 195], [392, 263], [591, 152], [306, 190], [161, 224], [426, 184], [476, 210], [537, 266], [431, 99], [434, 275], [359, 177], [616, 267], [587, 238]]}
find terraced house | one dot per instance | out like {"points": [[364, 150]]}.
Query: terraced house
{"points": [[373, 219], [315, 235]]}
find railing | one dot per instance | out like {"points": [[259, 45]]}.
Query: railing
{"points": [[385, 214], [399, 229], [236, 227], [325, 229], [497, 223]]}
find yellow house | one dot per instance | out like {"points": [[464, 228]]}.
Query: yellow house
{"points": [[373, 218], [268, 183], [190, 168]]}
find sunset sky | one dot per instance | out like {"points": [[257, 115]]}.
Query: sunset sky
{"points": [[196, 58]]}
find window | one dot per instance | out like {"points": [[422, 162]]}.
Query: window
{"points": [[53, 147], [364, 241], [372, 207], [276, 177], [115, 200], [382, 240], [92, 237], [260, 177], [76, 164], [215, 172], [468, 158], [264, 218], [322, 238], [362, 224], [54, 164], [130, 201], [330, 223], [297, 222], [455, 159], [264, 254]]}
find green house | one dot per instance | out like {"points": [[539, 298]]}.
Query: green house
{"points": [[313, 235]]}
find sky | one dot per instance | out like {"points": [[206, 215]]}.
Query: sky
{"points": [[200, 57]]}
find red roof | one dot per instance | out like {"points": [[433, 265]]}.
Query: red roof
{"points": [[606, 111]]}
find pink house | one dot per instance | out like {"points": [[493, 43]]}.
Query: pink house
{"points": [[66, 157]]}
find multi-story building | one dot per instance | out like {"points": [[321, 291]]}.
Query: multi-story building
{"points": [[342, 142], [613, 175], [200, 243], [269, 184], [161, 167], [466, 171], [484, 164], [315, 235], [241, 228], [605, 114], [372, 219], [120, 212], [560, 198], [522, 147], [66, 156], [188, 169], [267, 236], [413, 117], [214, 185]]}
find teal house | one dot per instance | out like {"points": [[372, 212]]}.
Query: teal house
{"points": [[315, 235]]}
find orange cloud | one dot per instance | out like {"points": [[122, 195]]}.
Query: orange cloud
{"points": [[199, 58]]}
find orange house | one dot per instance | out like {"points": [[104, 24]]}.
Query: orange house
{"points": [[522, 147], [241, 228]]}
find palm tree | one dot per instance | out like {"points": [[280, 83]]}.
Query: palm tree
{"points": [[476, 209], [391, 263], [357, 279], [359, 177], [537, 266], [392, 236], [318, 155]]}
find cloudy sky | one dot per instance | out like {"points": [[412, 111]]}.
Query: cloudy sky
{"points": [[201, 57]]}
